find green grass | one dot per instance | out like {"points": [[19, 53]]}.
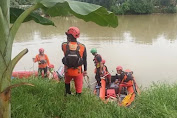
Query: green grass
{"points": [[46, 100]]}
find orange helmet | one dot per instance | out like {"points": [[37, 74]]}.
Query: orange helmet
{"points": [[119, 68], [51, 66], [74, 31], [41, 50], [103, 61]]}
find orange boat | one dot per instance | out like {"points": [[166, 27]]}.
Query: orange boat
{"points": [[124, 94]]}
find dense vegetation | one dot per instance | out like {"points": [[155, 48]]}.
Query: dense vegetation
{"points": [[126, 6], [46, 100], [137, 6]]}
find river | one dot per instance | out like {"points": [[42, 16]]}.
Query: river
{"points": [[146, 44]]}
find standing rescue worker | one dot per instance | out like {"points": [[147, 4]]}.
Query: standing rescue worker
{"points": [[43, 62], [98, 64], [75, 56]]}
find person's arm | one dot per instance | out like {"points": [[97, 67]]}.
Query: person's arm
{"points": [[101, 68], [99, 59], [47, 59], [35, 59]]}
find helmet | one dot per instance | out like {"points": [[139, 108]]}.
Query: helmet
{"points": [[93, 50], [128, 71], [119, 68], [41, 50], [103, 61], [51, 66], [74, 31]]}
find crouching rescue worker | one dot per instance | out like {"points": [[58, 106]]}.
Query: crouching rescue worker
{"points": [[53, 75], [125, 79], [98, 64], [75, 56], [43, 62]]}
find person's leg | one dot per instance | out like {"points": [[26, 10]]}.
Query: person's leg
{"points": [[97, 77], [78, 80], [45, 72], [67, 84], [39, 72]]}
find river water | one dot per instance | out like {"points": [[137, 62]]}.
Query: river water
{"points": [[146, 44]]}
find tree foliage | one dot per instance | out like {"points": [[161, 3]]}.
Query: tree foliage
{"points": [[136, 6]]}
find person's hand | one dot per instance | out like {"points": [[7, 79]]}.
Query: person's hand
{"points": [[85, 73]]}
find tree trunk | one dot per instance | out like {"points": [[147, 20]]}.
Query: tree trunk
{"points": [[5, 59], [5, 107], [7, 65]]}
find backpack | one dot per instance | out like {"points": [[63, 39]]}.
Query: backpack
{"points": [[72, 58], [129, 76]]}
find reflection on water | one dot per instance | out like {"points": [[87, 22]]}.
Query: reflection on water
{"points": [[145, 44]]}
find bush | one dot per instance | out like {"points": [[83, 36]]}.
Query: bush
{"points": [[141, 6], [116, 9], [134, 7], [124, 8], [170, 9]]}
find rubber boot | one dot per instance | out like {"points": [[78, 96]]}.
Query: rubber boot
{"points": [[67, 88]]}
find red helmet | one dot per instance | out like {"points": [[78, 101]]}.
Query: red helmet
{"points": [[103, 61], [119, 68], [74, 31], [51, 66], [41, 50]]}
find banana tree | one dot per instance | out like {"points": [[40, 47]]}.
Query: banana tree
{"points": [[85, 11]]}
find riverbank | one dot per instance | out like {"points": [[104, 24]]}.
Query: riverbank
{"points": [[46, 100]]}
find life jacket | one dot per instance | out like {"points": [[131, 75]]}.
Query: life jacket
{"points": [[129, 76], [105, 70], [73, 58], [97, 64], [128, 79], [42, 60], [121, 76], [108, 75]]}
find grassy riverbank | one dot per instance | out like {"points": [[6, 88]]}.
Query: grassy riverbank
{"points": [[46, 100]]}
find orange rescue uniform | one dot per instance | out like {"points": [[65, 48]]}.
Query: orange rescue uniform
{"points": [[39, 58]]}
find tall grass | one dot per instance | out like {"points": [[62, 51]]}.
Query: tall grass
{"points": [[46, 100]]}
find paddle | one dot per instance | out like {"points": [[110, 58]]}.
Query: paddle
{"points": [[126, 99]]}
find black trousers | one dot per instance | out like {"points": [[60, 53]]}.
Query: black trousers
{"points": [[97, 77], [40, 71]]}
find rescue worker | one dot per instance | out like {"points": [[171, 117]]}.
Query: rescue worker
{"points": [[43, 62], [99, 66], [106, 73], [53, 75], [116, 79], [120, 74], [75, 56], [124, 79]]}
